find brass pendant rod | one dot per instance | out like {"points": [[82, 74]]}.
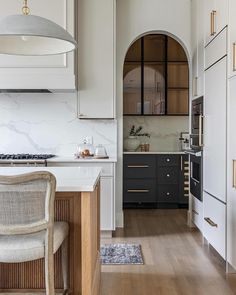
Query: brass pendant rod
{"points": [[25, 8]]}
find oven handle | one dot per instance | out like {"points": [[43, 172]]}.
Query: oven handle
{"points": [[200, 118]]}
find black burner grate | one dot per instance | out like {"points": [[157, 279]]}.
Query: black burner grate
{"points": [[26, 156]]}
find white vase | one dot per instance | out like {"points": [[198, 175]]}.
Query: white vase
{"points": [[131, 143]]}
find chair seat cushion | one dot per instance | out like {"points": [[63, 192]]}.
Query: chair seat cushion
{"points": [[22, 248]]}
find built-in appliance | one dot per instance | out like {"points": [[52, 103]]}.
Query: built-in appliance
{"points": [[196, 136], [196, 176], [24, 159]]}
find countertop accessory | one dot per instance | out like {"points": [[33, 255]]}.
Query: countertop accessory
{"points": [[33, 35], [86, 149], [100, 152]]}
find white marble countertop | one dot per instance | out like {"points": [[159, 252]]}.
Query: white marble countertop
{"points": [[71, 159], [155, 153], [69, 179]]}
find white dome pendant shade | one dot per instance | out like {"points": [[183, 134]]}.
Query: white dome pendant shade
{"points": [[33, 35]]}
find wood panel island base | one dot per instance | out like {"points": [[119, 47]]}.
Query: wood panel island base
{"points": [[78, 203]]}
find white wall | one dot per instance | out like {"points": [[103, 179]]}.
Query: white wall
{"points": [[48, 123], [135, 18]]}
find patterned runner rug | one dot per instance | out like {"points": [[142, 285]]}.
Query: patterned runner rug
{"points": [[121, 254]]}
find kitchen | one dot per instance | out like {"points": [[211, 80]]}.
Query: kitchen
{"points": [[50, 104]]}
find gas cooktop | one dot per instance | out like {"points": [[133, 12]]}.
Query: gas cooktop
{"points": [[26, 156]]}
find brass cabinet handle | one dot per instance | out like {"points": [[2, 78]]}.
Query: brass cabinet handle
{"points": [[195, 86], [213, 22], [195, 212], [138, 191], [200, 130], [209, 221], [234, 173], [138, 166], [234, 57]]}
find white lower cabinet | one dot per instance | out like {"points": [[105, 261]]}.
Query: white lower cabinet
{"points": [[107, 192], [107, 203], [214, 223], [197, 213]]}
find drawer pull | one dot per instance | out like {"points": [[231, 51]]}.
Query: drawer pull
{"points": [[234, 57], [138, 191], [138, 166], [195, 212], [208, 220], [167, 175], [234, 173]]}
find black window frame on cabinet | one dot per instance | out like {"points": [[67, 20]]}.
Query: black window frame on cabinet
{"points": [[166, 62]]}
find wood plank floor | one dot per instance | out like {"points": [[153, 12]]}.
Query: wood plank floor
{"points": [[176, 260]]}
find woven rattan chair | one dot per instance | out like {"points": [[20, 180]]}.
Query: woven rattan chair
{"points": [[27, 228]]}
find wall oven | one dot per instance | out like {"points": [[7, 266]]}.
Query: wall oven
{"points": [[196, 176], [196, 136]]}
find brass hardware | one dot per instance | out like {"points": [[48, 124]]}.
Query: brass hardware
{"points": [[213, 22], [138, 166], [195, 88], [234, 173], [195, 212], [234, 57], [181, 163], [25, 8], [138, 191], [200, 130], [212, 223]]}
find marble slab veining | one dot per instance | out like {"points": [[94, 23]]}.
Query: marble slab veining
{"points": [[48, 123]]}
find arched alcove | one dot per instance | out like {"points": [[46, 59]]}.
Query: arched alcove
{"points": [[156, 77]]}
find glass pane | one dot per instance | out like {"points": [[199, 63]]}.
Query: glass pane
{"points": [[177, 102], [154, 88], [177, 75], [134, 52], [154, 48], [175, 51], [132, 88]]}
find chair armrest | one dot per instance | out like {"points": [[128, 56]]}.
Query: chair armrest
{"points": [[24, 229]]}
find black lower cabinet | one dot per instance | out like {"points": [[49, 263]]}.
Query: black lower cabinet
{"points": [[154, 181]]}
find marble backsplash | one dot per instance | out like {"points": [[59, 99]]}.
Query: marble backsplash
{"points": [[164, 131], [48, 123]]}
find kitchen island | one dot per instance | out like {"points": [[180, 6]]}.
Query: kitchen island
{"points": [[78, 203]]}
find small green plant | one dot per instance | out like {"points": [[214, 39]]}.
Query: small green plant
{"points": [[137, 132]]}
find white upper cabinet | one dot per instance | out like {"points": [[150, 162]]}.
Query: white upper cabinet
{"points": [[232, 38], [40, 72], [215, 17], [96, 25], [197, 48]]}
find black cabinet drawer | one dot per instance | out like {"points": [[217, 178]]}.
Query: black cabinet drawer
{"points": [[168, 160], [139, 166], [168, 193], [168, 175], [143, 191]]}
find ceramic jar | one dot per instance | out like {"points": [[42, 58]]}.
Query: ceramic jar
{"points": [[131, 144]]}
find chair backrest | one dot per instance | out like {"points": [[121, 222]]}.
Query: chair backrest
{"points": [[26, 200]]}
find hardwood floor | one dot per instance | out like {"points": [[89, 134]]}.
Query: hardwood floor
{"points": [[176, 260]]}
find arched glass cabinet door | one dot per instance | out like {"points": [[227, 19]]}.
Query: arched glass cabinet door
{"points": [[156, 77]]}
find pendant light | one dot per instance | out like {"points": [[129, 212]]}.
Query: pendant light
{"points": [[33, 35]]}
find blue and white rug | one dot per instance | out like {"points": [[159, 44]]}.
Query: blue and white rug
{"points": [[121, 254]]}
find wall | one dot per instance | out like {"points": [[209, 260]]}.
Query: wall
{"points": [[135, 18], [47, 123], [164, 131]]}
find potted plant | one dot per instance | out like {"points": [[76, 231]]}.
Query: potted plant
{"points": [[132, 143]]}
